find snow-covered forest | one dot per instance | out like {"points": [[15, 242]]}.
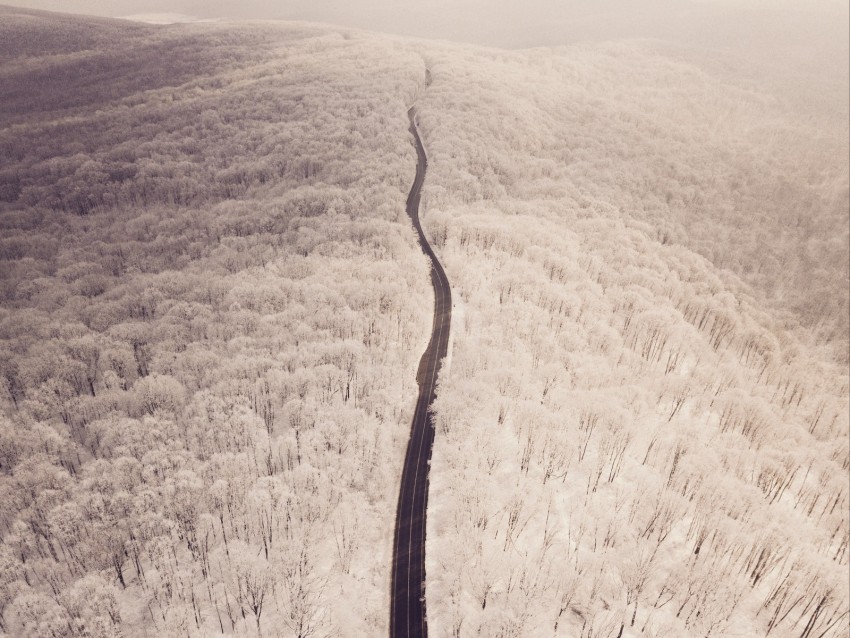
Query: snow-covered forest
{"points": [[213, 304], [644, 429], [213, 308]]}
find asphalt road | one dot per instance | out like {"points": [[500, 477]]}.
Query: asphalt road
{"points": [[407, 615]]}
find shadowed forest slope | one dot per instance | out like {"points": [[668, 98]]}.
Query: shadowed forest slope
{"points": [[213, 306]]}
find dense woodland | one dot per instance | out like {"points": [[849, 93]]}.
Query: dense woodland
{"points": [[644, 427], [213, 306]]}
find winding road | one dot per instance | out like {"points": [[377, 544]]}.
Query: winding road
{"points": [[407, 610]]}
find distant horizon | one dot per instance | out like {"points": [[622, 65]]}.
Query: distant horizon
{"points": [[497, 23], [770, 44]]}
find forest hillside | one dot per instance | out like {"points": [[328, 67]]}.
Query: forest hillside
{"points": [[644, 427], [213, 304]]}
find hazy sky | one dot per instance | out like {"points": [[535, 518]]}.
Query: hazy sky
{"points": [[517, 23]]}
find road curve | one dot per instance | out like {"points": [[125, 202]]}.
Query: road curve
{"points": [[407, 604]]}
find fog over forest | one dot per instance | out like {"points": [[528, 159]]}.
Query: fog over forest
{"points": [[738, 24], [223, 303], [800, 48]]}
